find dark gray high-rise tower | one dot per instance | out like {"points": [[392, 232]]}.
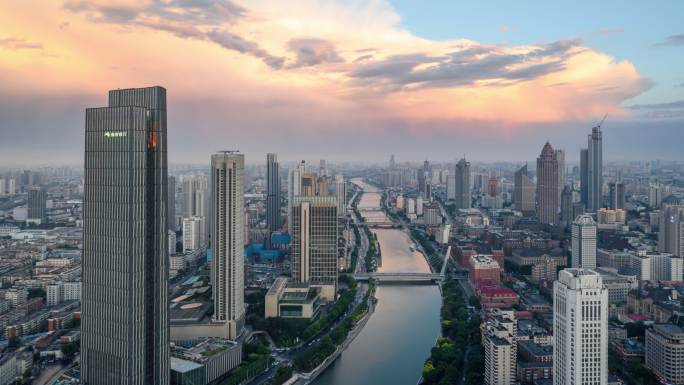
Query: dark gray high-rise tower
{"points": [[125, 330], [463, 198], [595, 170], [272, 193], [36, 204], [172, 204], [547, 186], [584, 176]]}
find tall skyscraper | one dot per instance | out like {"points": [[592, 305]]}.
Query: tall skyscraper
{"points": [[323, 168], [595, 170], [192, 233], [12, 186], [671, 230], [294, 188], [567, 209], [171, 201], [580, 323], [463, 199], [309, 184], [617, 195], [3, 187], [584, 242], [125, 329], [523, 192], [314, 243], [560, 157], [341, 195], [500, 348], [272, 193], [584, 176], [547, 186], [37, 198], [195, 196], [227, 229]]}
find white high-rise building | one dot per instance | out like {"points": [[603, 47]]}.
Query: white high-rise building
{"points": [[192, 233], [3, 187], [657, 267], [451, 187], [580, 320], [12, 186], [341, 195], [419, 206], [584, 242], [172, 242], [500, 348], [228, 270], [59, 292], [294, 188]]}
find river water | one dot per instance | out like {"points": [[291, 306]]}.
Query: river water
{"points": [[394, 344]]}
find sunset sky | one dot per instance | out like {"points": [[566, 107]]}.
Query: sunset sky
{"points": [[349, 80]]}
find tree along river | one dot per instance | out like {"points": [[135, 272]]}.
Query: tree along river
{"points": [[394, 344]]}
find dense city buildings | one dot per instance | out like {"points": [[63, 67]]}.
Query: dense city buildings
{"points": [[314, 243], [547, 186], [227, 207], [125, 335], [580, 324]]}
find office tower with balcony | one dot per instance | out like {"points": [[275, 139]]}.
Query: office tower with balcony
{"points": [[272, 193], [523, 192], [547, 186], [227, 237], [499, 342], [125, 329], [584, 242], [314, 243], [463, 199], [580, 324]]}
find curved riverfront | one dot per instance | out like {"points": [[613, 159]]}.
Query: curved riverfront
{"points": [[394, 344]]}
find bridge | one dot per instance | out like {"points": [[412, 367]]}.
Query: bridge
{"points": [[406, 277], [399, 277]]}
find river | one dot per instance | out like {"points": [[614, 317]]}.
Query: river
{"points": [[394, 344]]}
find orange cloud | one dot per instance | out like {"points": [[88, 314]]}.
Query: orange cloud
{"points": [[337, 59]]}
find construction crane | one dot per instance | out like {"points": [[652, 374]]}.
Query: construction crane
{"points": [[602, 120]]}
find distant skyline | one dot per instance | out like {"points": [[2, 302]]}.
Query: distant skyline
{"points": [[429, 79]]}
